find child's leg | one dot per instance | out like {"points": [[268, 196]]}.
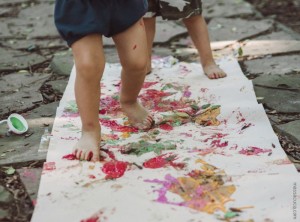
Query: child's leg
{"points": [[133, 53], [89, 62], [198, 31], [150, 32]]}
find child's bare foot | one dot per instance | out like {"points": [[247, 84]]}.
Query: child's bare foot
{"points": [[137, 115], [87, 148], [213, 71]]}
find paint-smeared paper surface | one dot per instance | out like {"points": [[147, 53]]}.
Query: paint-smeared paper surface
{"points": [[212, 155]]}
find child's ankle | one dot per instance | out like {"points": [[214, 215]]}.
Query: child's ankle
{"points": [[128, 102], [91, 127]]}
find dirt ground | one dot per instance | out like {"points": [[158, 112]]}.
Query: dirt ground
{"points": [[284, 11]]}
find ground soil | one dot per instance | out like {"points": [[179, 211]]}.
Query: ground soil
{"points": [[284, 11]]}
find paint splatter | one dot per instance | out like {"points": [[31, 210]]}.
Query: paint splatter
{"points": [[69, 157], [92, 176], [202, 190], [114, 169], [163, 161], [252, 150], [208, 116], [156, 100], [113, 125], [110, 105], [142, 147], [49, 166], [148, 84], [97, 217], [166, 127]]}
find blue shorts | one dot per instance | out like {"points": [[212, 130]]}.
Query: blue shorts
{"points": [[75, 19]]}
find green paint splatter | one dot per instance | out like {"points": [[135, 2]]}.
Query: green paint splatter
{"points": [[17, 124], [195, 107], [230, 214], [205, 106], [215, 107], [72, 107], [142, 147]]}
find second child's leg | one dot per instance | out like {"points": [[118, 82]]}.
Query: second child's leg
{"points": [[89, 62], [198, 31], [133, 53], [150, 32]]}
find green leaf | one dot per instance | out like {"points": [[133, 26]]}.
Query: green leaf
{"points": [[240, 51], [10, 171]]}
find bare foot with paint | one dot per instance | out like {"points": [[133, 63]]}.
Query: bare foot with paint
{"points": [[212, 71], [138, 116], [87, 148]]}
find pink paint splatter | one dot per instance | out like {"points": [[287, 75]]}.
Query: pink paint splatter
{"points": [[49, 166], [219, 144], [186, 134], [252, 150], [70, 115]]}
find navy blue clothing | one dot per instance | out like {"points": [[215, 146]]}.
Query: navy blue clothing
{"points": [[75, 19]]}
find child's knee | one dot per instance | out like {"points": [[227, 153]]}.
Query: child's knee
{"points": [[90, 69], [137, 65]]}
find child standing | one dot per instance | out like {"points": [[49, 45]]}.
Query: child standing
{"points": [[82, 24], [190, 11]]}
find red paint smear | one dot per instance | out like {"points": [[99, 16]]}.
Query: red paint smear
{"points": [[148, 84], [69, 157], [49, 166], [92, 176], [166, 127], [110, 105], [162, 161], [92, 219], [240, 117], [155, 100], [217, 135], [114, 169], [109, 153], [117, 127]]}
